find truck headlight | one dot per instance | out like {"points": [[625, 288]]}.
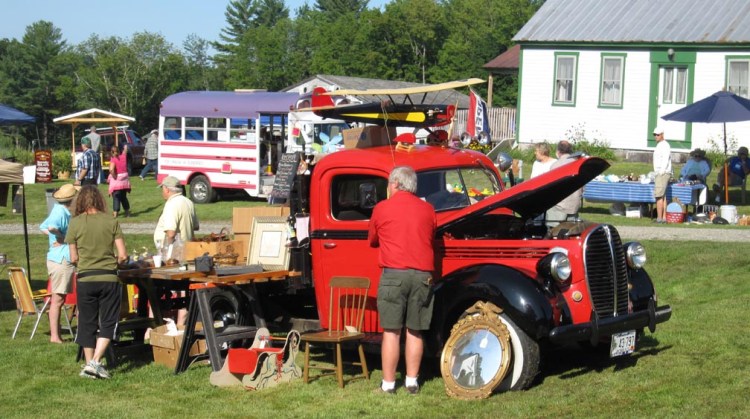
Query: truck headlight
{"points": [[635, 254], [555, 266]]}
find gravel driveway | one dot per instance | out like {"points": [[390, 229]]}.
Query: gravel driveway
{"points": [[693, 233]]}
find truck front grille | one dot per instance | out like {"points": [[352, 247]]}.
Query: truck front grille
{"points": [[606, 272]]}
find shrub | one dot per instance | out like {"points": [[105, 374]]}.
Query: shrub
{"points": [[593, 146], [61, 161]]}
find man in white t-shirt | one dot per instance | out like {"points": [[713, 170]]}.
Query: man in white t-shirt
{"points": [[663, 170]]}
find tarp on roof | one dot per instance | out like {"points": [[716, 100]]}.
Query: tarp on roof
{"points": [[10, 116], [227, 104], [11, 172]]}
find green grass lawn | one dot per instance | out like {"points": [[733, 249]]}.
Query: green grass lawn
{"points": [[694, 365]]}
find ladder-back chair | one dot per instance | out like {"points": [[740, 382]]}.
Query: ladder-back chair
{"points": [[346, 313], [28, 302]]}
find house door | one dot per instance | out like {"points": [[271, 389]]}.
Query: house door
{"points": [[672, 95]]}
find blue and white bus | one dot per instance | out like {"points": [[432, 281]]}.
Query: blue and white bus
{"points": [[214, 140]]}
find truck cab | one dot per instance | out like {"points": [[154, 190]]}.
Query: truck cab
{"points": [[576, 282]]}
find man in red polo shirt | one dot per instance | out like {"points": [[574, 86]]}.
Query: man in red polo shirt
{"points": [[403, 227]]}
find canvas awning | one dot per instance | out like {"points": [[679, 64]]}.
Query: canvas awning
{"points": [[91, 116]]}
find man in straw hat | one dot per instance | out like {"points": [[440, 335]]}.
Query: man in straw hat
{"points": [[59, 267], [697, 167]]}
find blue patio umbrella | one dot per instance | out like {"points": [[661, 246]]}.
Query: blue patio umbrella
{"points": [[719, 107], [12, 116]]}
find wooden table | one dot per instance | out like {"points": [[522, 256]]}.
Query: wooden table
{"points": [[154, 281], [202, 288]]}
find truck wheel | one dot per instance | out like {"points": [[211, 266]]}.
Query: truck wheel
{"points": [[524, 358], [201, 191]]}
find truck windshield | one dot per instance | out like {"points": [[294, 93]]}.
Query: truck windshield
{"points": [[456, 187]]}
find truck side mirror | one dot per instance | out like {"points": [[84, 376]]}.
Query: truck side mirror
{"points": [[368, 195]]}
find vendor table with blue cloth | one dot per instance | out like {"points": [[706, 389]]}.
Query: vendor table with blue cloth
{"points": [[636, 192]]}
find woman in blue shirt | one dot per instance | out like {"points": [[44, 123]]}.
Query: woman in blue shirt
{"points": [[59, 267]]}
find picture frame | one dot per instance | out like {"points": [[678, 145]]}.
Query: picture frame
{"points": [[268, 243]]}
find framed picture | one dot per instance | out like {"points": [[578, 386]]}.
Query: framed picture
{"points": [[268, 244]]}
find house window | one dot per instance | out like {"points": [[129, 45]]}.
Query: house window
{"points": [[674, 85], [738, 77], [565, 79], [612, 78]]}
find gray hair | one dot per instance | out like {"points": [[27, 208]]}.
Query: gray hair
{"points": [[405, 177]]}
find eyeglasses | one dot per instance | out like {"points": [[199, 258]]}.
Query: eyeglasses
{"points": [[655, 134]]}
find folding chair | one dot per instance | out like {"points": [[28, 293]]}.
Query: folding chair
{"points": [[346, 315], [28, 302]]}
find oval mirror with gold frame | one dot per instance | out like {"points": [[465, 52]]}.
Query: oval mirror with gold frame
{"points": [[476, 357]]}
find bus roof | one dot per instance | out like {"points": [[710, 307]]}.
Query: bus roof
{"points": [[209, 104]]}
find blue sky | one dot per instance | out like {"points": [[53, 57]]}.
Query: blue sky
{"points": [[78, 19]]}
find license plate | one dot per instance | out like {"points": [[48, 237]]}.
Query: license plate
{"points": [[622, 344]]}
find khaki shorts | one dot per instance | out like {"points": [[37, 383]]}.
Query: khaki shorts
{"points": [[660, 185], [60, 276], [405, 299]]}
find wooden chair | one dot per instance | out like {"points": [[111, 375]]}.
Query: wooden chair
{"points": [[28, 302], [346, 315]]}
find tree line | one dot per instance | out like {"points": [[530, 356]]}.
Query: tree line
{"points": [[261, 47]]}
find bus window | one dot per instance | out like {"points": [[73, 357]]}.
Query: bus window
{"points": [[239, 129], [172, 128], [194, 129], [217, 129]]}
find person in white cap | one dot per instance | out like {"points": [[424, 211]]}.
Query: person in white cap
{"points": [[178, 219], [59, 266], [663, 169]]}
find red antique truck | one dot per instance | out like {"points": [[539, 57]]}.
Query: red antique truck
{"points": [[577, 282]]}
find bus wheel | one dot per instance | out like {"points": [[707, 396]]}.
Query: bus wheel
{"points": [[201, 191]]}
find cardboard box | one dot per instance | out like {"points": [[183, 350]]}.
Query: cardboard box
{"points": [[369, 136], [196, 249], [167, 348], [242, 218]]}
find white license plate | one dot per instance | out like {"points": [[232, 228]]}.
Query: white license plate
{"points": [[622, 344]]}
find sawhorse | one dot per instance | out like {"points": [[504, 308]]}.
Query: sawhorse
{"points": [[245, 299]]}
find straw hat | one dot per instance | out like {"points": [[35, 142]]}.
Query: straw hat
{"points": [[66, 193]]}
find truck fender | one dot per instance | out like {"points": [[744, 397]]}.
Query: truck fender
{"points": [[520, 297], [641, 289]]}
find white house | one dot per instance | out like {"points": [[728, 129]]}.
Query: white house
{"points": [[612, 68]]}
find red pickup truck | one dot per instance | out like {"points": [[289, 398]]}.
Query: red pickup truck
{"points": [[537, 286]]}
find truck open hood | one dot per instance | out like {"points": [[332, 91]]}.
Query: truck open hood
{"points": [[534, 196]]}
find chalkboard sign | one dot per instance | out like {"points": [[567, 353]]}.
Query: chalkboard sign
{"points": [[285, 172]]}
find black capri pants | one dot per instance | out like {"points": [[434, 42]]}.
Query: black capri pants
{"points": [[98, 310]]}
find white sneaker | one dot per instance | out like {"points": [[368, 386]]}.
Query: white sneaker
{"points": [[96, 370]]}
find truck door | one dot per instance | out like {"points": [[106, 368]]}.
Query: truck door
{"points": [[342, 207]]}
